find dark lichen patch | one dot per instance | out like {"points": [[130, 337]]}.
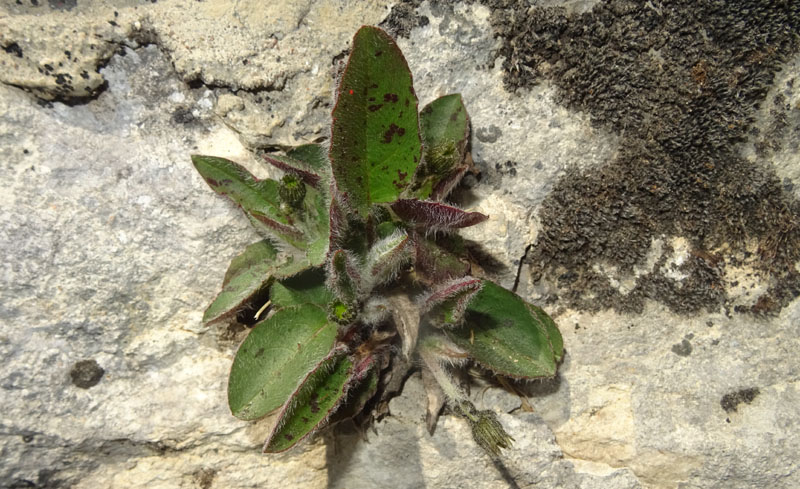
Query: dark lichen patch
{"points": [[86, 374], [403, 17], [730, 402], [680, 82], [683, 349]]}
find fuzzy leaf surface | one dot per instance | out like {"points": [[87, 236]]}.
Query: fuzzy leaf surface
{"points": [[375, 141], [445, 131], [307, 287], [357, 397], [446, 306], [386, 257], [435, 215], [311, 404], [309, 162], [248, 274], [275, 357], [258, 198], [504, 335], [435, 264]]}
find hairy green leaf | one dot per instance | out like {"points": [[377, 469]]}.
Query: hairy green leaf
{"points": [[445, 131], [505, 335], [447, 304], [357, 397], [275, 357], [311, 404], [308, 162], [307, 287], [434, 264], [248, 275], [258, 198], [375, 142]]}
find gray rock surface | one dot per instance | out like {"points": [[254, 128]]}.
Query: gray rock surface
{"points": [[112, 247]]}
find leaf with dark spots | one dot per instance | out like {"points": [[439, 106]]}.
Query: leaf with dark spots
{"points": [[360, 132], [373, 108], [312, 404], [255, 387], [434, 215], [389, 134]]}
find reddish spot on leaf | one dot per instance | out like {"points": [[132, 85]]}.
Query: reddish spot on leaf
{"points": [[288, 437], [378, 53], [390, 97], [401, 175], [373, 108], [351, 91]]}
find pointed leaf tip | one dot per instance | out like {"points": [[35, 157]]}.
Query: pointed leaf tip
{"points": [[435, 215]]}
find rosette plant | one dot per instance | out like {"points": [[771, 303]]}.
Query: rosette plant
{"points": [[361, 262]]}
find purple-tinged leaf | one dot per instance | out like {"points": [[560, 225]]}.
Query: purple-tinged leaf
{"points": [[258, 198], [308, 162], [375, 142], [447, 304], [435, 216], [449, 182], [311, 405], [357, 398]]}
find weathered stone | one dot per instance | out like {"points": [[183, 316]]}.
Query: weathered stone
{"points": [[113, 245]]}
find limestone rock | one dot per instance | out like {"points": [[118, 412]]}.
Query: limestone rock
{"points": [[112, 246]]}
